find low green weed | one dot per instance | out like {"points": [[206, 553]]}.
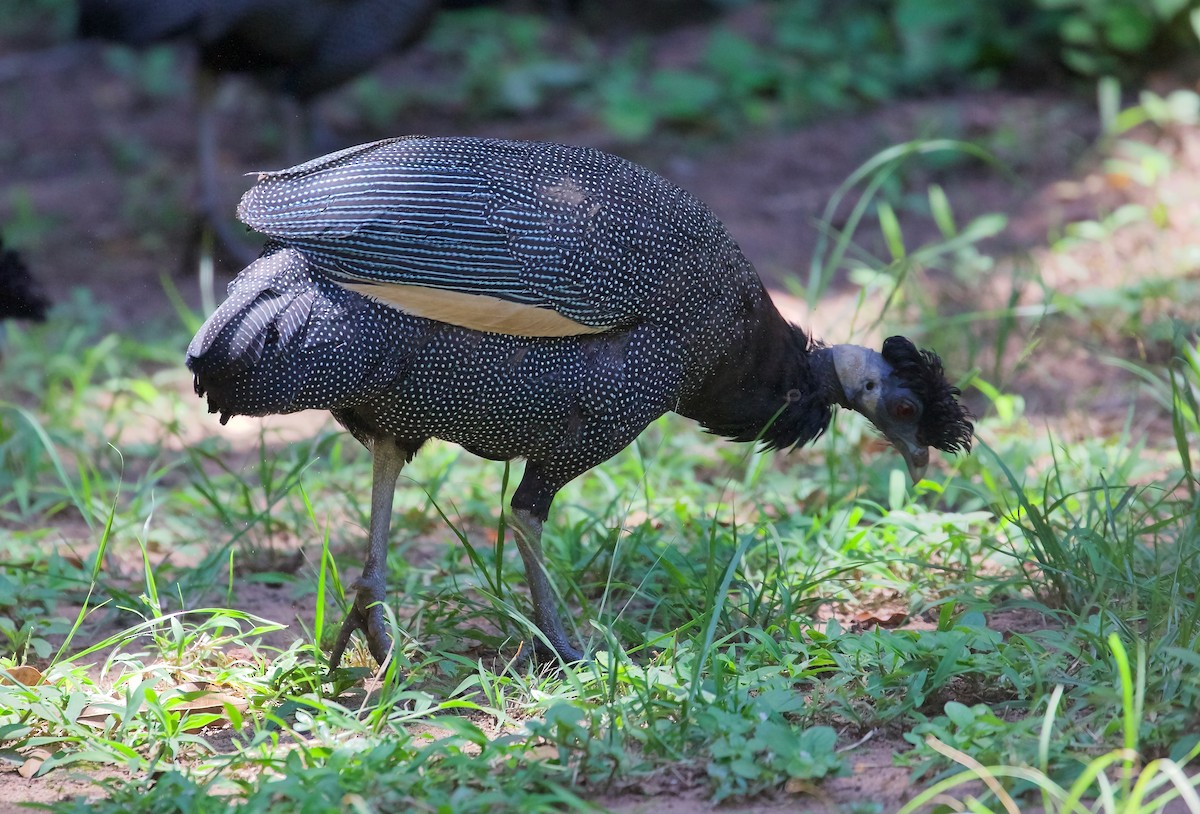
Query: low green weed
{"points": [[1118, 780]]}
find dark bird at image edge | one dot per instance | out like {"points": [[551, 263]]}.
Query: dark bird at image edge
{"points": [[526, 300], [21, 296]]}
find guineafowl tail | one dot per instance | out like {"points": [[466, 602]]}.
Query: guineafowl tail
{"points": [[286, 340]]}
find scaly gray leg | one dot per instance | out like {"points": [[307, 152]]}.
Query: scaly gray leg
{"points": [[527, 529], [367, 612]]}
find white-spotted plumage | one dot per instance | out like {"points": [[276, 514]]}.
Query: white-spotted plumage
{"points": [[578, 231], [586, 235], [653, 308]]}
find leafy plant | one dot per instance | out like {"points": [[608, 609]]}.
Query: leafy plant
{"points": [[154, 71], [512, 62], [1117, 780], [1123, 37]]}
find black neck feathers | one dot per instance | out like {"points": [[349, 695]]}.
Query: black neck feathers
{"points": [[777, 388]]}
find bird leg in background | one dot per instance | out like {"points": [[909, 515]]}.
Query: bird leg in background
{"points": [[206, 162], [366, 614], [527, 529]]}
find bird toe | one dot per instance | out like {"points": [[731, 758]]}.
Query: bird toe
{"points": [[379, 641], [367, 616], [562, 651]]}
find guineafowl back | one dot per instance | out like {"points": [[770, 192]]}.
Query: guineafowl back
{"points": [[521, 299], [587, 235]]}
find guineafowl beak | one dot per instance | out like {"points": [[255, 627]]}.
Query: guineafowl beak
{"points": [[916, 458], [902, 436], [872, 389]]}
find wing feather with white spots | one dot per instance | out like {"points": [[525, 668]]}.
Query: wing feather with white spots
{"points": [[506, 237]]}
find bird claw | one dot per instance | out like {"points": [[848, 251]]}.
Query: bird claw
{"points": [[561, 651], [537, 654], [366, 614]]}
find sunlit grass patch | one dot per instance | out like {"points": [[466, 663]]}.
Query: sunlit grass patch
{"points": [[719, 589]]}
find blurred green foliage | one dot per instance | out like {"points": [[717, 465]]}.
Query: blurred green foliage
{"points": [[785, 61], [816, 56], [37, 20], [1123, 37], [723, 65], [506, 63]]}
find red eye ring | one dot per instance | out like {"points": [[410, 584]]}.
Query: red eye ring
{"points": [[904, 409]]}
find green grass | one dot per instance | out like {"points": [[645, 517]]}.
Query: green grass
{"points": [[706, 605], [714, 585]]}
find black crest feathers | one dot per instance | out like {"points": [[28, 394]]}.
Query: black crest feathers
{"points": [[945, 424]]}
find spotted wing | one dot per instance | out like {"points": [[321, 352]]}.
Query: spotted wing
{"points": [[511, 237]]}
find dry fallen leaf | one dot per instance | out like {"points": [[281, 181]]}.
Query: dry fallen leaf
{"points": [[94, 715], [33, 762], [544, 751], [209, 703], [29, 676], [213, 703], [880, 618]]}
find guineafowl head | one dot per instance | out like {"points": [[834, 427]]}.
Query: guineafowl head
{"points": [[903, 391]]}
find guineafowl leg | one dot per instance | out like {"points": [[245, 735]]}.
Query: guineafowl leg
{"points": [[367, 612], [527, 529]]}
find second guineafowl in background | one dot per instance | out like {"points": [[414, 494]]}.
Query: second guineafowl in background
{"points": [[302, 48], [526, 300]]}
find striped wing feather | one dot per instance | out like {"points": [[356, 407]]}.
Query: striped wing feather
{"points": [[461, 231]]}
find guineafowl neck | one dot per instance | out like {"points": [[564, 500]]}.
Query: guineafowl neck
{"points": [[774, 387]]}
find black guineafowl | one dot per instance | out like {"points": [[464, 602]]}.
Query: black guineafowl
{"points": [[300, 47], [21, 296], [526, 300]]}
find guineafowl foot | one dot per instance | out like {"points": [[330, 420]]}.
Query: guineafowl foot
{"points": [[556, 645], [535, 652], [563, 650], [366, 614]]}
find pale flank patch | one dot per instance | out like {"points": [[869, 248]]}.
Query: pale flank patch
{"points": [[479, 312]]}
